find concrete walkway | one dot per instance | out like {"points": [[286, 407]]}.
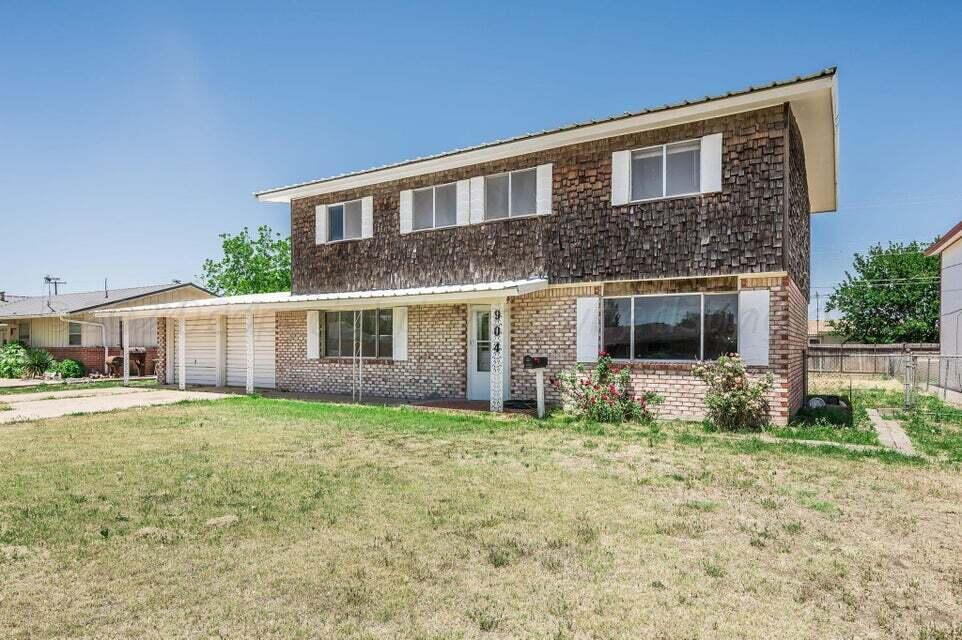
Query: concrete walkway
{"points": [[891, 434], [53, 404]]}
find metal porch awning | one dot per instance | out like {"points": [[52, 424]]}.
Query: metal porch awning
{"points": [[285, 301]]}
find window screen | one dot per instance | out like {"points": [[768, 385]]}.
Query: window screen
{"points": [[496, 197]]}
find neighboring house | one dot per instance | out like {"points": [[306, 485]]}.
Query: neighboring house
{"points": [[949, 249], [65, 324], [822, 332], [663, 237]]}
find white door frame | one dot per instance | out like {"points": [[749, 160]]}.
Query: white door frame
{"points": [[481, 389]]}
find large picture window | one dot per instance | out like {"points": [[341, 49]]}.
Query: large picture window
{"points": [[374, 332], [692, 326], [666, 170]]}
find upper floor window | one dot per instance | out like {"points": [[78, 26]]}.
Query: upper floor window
{"points": [[507, 195], [371, 329], [666, 170], [74, 334], [344, 221], [436, 207], [672, 170], [671, 327]]}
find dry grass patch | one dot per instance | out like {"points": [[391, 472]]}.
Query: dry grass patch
{"points": [[369, 522]]}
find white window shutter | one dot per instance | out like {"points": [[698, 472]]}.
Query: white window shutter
{"points": [[407, 211], [589, 333], [313, 335], [320, 224], [620, 178], [544, 189], [753, 326], [711, 163], [367, 217], [477, 200], [464, 202], [399, 324]]}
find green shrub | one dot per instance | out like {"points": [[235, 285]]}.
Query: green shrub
{"points": [[734, 402], [604, 395], [70, 369], [13, 358], [38, 362]]}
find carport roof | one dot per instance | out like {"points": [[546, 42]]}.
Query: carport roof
{"points": [[285, 300]]}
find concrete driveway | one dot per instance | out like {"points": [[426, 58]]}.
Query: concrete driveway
{"points": [[53, 404]]}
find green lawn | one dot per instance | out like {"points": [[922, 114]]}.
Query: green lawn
{"points": [[251, 517]]}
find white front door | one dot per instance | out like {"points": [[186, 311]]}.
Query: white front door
{"points": [[479, 352]]}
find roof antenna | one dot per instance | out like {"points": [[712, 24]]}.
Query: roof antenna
{"points": [[56, 281]]}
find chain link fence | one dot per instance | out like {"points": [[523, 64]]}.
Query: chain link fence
{"points": [[904, 372]]}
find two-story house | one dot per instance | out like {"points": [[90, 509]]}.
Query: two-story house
{"points": [[663, 237]]}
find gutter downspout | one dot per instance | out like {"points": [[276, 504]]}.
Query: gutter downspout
{"points": [[103, 335]]}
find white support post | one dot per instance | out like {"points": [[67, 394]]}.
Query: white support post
{"points": [[182, 353], [125, 342], [250, 352], [220, 377], [497, 357], [539, 387]]}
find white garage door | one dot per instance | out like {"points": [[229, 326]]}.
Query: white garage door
{"points": [[264, 376], [201, 351]]}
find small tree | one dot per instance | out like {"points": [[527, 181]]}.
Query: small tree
{"points": [[893, 296], [250, 265], [734, 402]]}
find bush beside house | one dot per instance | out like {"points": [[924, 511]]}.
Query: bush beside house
{"points": [[18, 361], [734, 401], [603, 394]]}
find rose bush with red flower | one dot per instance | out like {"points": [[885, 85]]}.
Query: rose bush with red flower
{"points": [[604, 395]]}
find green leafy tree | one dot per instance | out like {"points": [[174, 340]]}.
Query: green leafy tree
{"points": [[893, 296], [260, 264]]}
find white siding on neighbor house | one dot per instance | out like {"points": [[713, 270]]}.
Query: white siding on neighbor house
{"points": [[951, 304], [48, 332], [52, 332], [950, 343]]}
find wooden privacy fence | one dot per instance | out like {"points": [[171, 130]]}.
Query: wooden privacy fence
{"points": [[870, 359]]}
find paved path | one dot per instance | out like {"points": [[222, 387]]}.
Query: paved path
{"points": [[53, 404], [891, 434]]}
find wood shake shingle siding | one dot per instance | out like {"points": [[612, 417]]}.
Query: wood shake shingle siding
{"points": [[741, 229], [798, 213]]}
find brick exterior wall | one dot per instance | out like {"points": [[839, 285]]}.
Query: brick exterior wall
{"points": [[92, 358], [436, 366], [738, 230], [544, 323], [160, 369]]}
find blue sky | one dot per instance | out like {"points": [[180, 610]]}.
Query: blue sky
{"points": [[132, 135]]}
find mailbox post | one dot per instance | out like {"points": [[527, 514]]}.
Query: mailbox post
{"points": [[538, 364]]}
